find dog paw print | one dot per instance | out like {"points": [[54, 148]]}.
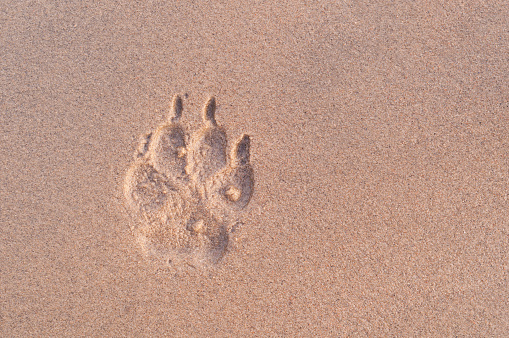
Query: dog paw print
{"points": [[186, 190]]}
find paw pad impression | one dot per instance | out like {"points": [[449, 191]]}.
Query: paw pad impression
{"points": [[186, 190]]}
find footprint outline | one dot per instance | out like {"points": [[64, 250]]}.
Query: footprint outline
{"points": [[186, 190]]}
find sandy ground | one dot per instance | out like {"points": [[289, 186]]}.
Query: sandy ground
{"points": [[379, 145]]}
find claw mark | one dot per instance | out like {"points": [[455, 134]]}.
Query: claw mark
{"points": [[209, 111], [185, 189], [176, 109]]}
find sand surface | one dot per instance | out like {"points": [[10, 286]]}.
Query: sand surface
{"points": [[379, 142]]}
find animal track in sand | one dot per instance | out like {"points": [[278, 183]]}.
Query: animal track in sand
{"points": [[186, 191]]}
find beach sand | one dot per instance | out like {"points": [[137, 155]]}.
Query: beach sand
{"points": [[379, 146]]}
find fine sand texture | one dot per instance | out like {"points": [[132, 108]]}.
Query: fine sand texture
{"points": [[254, 169]]}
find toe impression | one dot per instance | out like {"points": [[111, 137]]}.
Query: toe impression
{"points": [[238, 187], [240, 153], [167, 145]]}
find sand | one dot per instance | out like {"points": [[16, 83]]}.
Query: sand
{"points": [[379, 147]]}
